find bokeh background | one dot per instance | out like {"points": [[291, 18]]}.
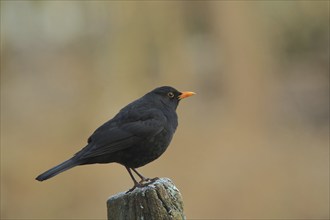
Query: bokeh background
{"points": [[254, 142]]}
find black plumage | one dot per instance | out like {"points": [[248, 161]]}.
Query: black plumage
{"points": [[137, 135]]}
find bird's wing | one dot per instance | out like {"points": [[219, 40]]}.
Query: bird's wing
{"points": [[121, 133]]}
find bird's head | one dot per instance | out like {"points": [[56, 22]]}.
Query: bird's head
{"points": [[170, 96]]}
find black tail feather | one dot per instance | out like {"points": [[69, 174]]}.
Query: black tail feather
{"points": [[56, 170]]}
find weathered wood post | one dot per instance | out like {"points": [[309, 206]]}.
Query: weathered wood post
{"points": [[158, 200]]}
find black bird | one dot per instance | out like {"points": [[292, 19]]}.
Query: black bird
{"points": [[137, 135]]}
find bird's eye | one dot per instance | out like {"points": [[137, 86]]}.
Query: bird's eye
{"points": [[170, 94]]}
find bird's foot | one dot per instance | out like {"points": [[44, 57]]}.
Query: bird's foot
{"points": [[147, 181], [144, 182], [153, 179]]}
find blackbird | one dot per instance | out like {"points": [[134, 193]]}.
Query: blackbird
{"points": [[137, 135]]}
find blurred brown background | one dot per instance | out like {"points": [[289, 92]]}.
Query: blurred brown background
{"points": [[254, 142]]}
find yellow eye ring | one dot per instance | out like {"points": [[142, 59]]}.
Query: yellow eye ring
{"points": [[170, 94]]}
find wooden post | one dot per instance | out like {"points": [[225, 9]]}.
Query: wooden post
{"points": [[158, 200]]}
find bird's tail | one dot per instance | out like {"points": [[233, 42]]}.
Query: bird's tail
{"points": [[57, 169]]}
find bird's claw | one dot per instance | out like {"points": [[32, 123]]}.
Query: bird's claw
{"points": [[147, 181], [153, 180], [138, 185], [144, 182]]}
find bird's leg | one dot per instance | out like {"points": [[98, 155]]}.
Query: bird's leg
{"points": [[136, 183], [144, 179]]}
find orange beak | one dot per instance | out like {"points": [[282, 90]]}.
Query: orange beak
{"points": [[186, 94]]}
